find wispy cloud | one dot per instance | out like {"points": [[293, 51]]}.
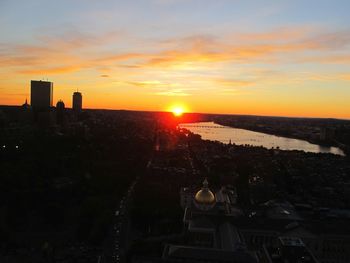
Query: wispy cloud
{"points": [[281, 34], [151, 83], [326, 59], [234, 82], [173, 92], [54, 54], [50, 70], [73, 52]]}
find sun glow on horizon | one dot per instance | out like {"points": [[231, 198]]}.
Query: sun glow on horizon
{"points": [[177, 110]]}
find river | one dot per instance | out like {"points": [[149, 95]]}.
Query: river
{"points": [[215, 132]]}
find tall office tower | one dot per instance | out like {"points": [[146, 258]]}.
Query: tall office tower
{"points": [[77, 101], [60, 111], [41, 94]]}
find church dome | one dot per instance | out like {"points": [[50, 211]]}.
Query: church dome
{"points": [[60, 105], [204, 198]]}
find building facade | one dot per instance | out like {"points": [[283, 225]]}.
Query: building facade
{"points": [[41, 93], [77, 101]]}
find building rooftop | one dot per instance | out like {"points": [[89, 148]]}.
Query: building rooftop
{"points": [[289, 249], [196, 254], [229, 237]]}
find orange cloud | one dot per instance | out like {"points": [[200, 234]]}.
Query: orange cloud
{"points": [[173, 93], [234, 83], [50, 70], [345, 76], [284, 34], [328, 59], [152, 83], [69, 53]]}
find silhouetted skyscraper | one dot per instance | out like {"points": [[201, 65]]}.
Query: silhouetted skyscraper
{"points": [[41, 94], [77, 101], [60, 108]]}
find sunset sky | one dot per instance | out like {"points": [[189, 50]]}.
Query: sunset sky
{"points": [[286, 58]]}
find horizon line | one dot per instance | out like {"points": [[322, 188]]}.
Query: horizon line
{"points": [[207, 113]]}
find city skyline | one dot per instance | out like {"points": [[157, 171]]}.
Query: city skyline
{"points": [[226, 57]]}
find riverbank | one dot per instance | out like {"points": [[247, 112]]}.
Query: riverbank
{"points": [[267, 130], [225, 134]]}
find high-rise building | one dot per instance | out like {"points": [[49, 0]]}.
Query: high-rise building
{"points": [[41, 94], [60, 110], [77, 101]]}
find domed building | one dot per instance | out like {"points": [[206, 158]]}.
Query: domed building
{"points": [[204, 199], [209, 228], [60, 105]]}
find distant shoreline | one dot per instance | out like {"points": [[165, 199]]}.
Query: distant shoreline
{"points": [[344, 154], [204, 113], [256, 129]]}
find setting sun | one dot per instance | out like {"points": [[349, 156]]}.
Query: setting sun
{"points": [[177, 110]]}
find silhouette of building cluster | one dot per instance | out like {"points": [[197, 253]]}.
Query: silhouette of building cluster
{"points": [[41, 97], [41, 108]]}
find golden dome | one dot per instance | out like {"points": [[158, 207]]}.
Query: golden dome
{"points": [[205, 196]]}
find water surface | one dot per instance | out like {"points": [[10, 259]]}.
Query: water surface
{"points": [[215, 132]]}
